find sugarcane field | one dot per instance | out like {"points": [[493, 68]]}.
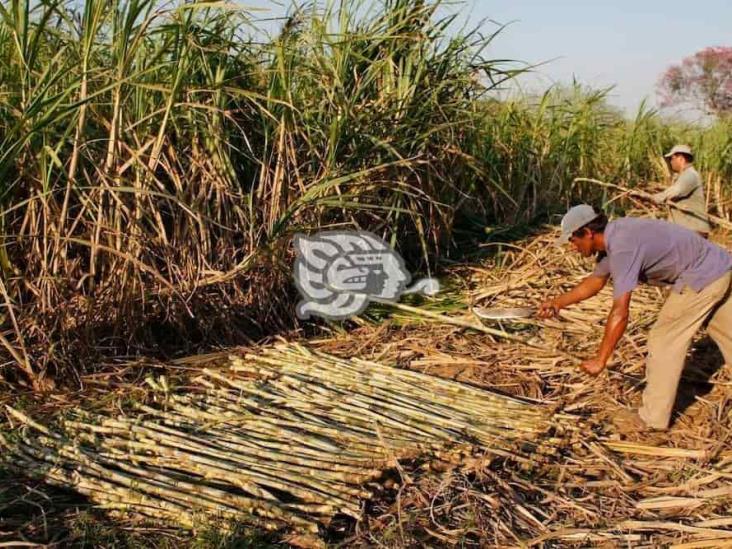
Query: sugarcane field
{"points": [[371, 273]]}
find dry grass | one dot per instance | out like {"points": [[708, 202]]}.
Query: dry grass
{"points": [[649, 489]]}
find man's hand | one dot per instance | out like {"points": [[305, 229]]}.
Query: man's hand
{"points": [[659, 198], [593, 366], [548, 309]]}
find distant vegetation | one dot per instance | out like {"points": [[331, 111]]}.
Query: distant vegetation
{"points": [[703, 80], [156, 158]]}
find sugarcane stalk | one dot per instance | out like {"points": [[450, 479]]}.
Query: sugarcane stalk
{"points": [[300, 485], [250, 437], [407, 414], [107, 493], [169, 489], [411, 381], [292, 430], [418, 381], [426, 415], [187, 443], [277, 456]]}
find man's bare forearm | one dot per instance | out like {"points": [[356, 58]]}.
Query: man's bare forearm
{"points": [[586, 289], [617, 321]]}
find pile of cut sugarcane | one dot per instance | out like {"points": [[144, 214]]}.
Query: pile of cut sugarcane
{"points": [[286, 438]]}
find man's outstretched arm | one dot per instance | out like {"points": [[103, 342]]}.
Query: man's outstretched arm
{"points": [[685, 184], [589, 287], [617, 321]]}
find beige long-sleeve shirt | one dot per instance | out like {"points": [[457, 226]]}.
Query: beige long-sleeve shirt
{"points": [[687, 191]]}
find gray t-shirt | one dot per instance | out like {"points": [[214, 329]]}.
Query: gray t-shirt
{"points": [[687, 191], [660, 253]]}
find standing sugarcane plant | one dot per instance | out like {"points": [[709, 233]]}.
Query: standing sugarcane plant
{"points": [[157, 158]]}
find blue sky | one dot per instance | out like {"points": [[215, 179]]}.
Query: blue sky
{"points": [[621, 42], [614, 42]]}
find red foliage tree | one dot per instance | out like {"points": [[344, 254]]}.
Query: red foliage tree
{"points": [[704, 79]]}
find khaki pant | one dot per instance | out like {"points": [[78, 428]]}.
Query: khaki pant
{"points": [[680, 318]]}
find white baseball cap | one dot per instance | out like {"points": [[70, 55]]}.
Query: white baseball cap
{"points": [[576, 218], [683, 149]]}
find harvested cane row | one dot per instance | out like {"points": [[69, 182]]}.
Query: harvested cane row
{"points": [[284, 439]]}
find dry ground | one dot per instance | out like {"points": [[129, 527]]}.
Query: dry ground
{"points": [[630, 495], [660, 489]]}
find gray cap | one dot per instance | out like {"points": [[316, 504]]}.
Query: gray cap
{"points": [[685, 149], [576, 218]]}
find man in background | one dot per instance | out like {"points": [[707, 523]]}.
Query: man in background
{"points": [[685, 191]]}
